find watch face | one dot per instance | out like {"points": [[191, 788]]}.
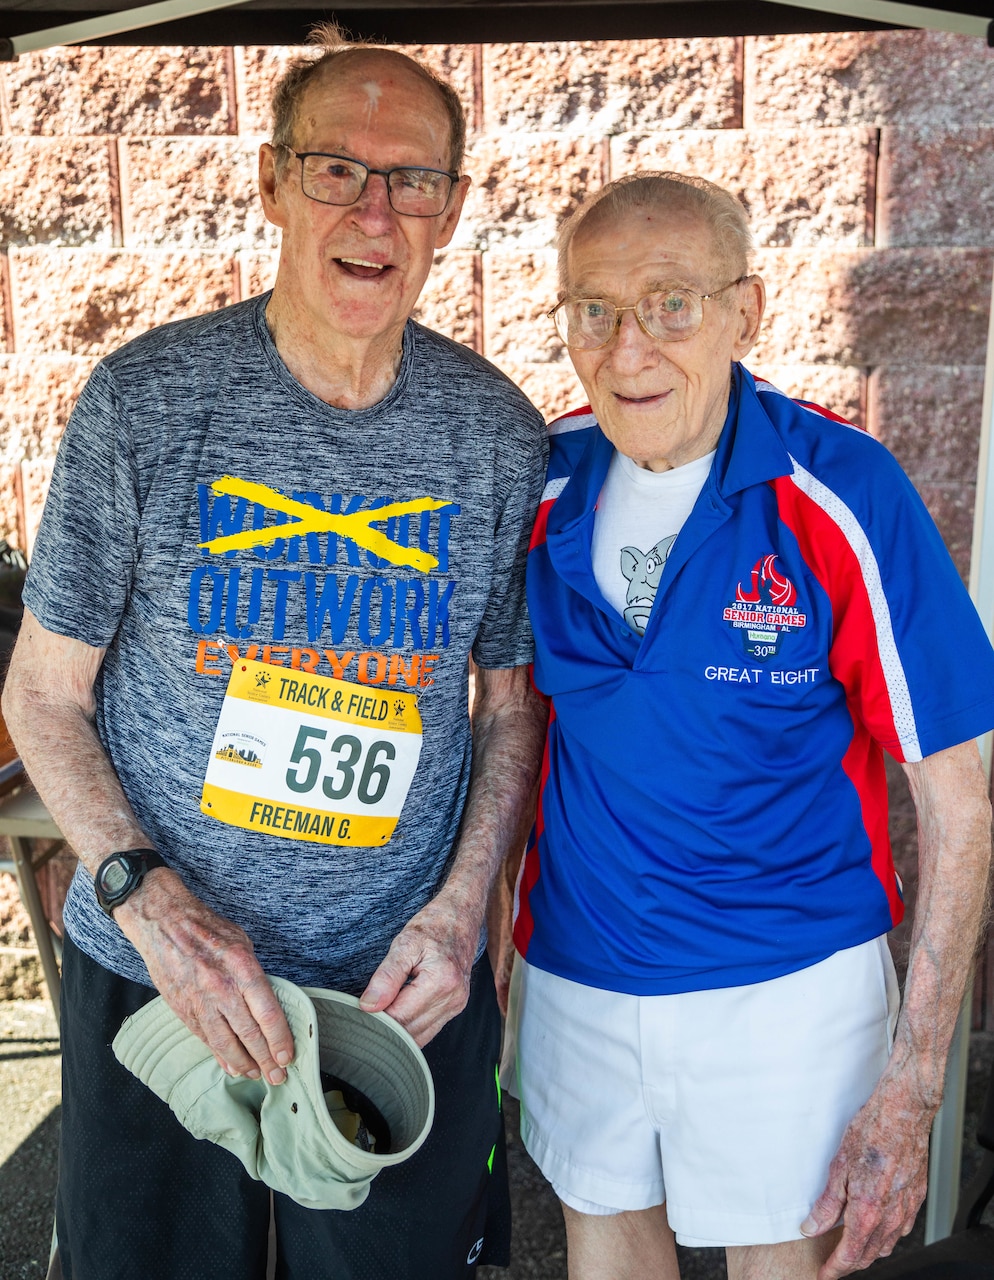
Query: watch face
{"points": [[114, 878]]}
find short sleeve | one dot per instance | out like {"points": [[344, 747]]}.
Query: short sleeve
{"points": [[83, 559], [505, 638], [909, 645]]}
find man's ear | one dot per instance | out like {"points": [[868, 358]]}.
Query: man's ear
{"points": [[450, 218], [750, 305], [269, 186]]}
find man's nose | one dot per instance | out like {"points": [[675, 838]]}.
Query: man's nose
{"points": [[632, 347], [374, 203]]}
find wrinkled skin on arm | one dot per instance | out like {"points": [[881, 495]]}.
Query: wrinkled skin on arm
{"points": [[423, 981], [878, 1179], [203, 965]]}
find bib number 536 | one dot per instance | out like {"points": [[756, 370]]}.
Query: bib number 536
{"points": [[367, 773]]}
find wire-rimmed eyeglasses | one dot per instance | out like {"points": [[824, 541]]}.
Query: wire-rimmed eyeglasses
{"points": [[670, 315], [411, 190]]}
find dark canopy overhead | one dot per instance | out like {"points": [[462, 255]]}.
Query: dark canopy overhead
{"points": [[463, 21]]}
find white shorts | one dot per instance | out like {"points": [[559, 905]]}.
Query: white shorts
{"points": [[728, 1105]]}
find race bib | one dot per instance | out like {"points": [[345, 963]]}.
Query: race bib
{"points": [[311, 758]]}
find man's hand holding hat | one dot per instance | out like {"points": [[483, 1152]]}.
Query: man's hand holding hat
{"points": [[205, 969]]}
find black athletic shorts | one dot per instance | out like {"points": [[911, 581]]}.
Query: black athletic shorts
{"points": [[142, 1199]]}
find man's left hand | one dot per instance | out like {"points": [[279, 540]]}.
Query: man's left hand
{"points": [[423, 981], [877, 1180]]}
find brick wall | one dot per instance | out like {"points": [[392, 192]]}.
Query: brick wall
{"points": [[866, 160]]}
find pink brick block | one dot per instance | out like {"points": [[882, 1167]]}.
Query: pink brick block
{"points": [[84, 302], [801, 187], [612, 87], [10, 507], [868, 77], [930, 419], [449, 302], [936, 186], [78, 91], [37, 395], [35, 479], [6, 337], [518, 288], [55, 191], [893, 306], [951, 507], [193, 193], [258, 68], [257, 272], [523, 188]]}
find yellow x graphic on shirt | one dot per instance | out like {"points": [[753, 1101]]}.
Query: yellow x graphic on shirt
{"points": [[355, 526]]}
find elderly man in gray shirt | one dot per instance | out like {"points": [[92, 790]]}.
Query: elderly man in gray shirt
{"points": [[274, 537]]}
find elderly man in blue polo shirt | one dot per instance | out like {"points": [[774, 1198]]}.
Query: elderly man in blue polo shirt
{"points": [[739, 604]]}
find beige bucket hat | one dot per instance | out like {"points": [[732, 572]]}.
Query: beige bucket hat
{"points": [[358, 1096]]}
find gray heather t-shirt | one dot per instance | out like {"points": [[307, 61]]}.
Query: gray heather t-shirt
{"points": [[118, 564]]}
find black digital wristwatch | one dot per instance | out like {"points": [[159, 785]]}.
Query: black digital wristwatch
{"points": [[120, 875]]}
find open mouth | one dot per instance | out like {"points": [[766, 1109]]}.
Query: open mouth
{"points": [[362, 269]]}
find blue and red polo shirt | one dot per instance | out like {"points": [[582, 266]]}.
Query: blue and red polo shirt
{"points": [[713, 806]]}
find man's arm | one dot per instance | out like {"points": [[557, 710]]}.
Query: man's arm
{"points": [[500, 914], [202, 964], [879, 1176], [424, 978]]}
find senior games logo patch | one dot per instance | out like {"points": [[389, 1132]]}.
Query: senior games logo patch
{"points": [[764, 610]]}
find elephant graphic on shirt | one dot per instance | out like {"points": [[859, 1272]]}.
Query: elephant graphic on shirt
{"points": [[643, 569]]}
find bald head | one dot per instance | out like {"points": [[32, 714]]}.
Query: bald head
{"points": [[670, 195]]}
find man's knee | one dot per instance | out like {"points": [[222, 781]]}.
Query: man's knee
{"points": [[617, 1246], [792, 1260]]}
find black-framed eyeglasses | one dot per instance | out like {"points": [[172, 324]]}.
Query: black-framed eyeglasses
{"points": [[416, 192], [670, 315]]}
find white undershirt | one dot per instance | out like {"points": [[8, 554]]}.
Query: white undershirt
{"points": [[639, 513]]}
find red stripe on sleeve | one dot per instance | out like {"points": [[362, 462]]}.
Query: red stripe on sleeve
{"points": [[864, 766], [855, 663], [854, 659]]}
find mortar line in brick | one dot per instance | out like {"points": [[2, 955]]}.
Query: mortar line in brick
{"points": [[485, 64], [881, 221], [477, 121], [745, 69], [864, 397], [481, 327], [114, 176], [5, 122], [239, 92], [605, 149], [123, 192], [738, 74], [231, 71], [22, 516], [236, 280], [872, 173], [870, 398], [478, 302], [7, 303]]}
